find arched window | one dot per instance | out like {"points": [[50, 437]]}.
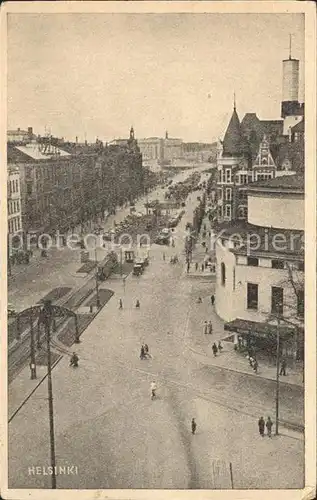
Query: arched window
{"points": [[223, 274]]}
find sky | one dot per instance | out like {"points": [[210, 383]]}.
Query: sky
{"points": [[95, 75]]}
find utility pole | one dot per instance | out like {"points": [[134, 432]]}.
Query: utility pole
{"points": [[48, 317], [277, 372], [97, 283]]}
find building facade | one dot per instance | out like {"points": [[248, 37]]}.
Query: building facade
{"points": [[62, 188], [260, 262], [20, 136], [14, 200]]}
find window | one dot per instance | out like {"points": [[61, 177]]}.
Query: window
{"points": [[301, 266], [12, 187], [243, 178], [219, 194], [253, 261], [228, 210], [18, 206], [228, 175], [243, 213], [300, 303], [243, 195], [277, 300], [252, 296], [17, 186], [223, 274], [277, 264], [29, 188], [228, 194], [220, 211]]}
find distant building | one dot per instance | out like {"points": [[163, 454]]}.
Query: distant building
{"points": [[260, 266], [151, 148], [14, 200], [20, 136], [172, 148]]}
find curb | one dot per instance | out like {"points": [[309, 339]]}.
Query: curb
{"points": [[244, 373]]}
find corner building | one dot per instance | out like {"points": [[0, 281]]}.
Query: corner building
{"points": [[260, 266]]}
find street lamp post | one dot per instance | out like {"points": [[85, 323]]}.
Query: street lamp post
{"points": [[97, 283], [47, 322], [277, 374]]}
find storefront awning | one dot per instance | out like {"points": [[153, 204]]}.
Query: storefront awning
{"points": [[257, 329]]}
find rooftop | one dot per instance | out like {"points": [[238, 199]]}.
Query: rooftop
{"points": [[233, 136]]}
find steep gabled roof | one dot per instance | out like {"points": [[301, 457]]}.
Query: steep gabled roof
{"points": [[232, 142]]}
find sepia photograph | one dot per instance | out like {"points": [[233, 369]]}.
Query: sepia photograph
{"points": [[154, 230]]}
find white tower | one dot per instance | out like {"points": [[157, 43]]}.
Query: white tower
{"points": [[291, 110]]}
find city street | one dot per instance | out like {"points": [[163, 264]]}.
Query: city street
{"points": [[107, 426]]}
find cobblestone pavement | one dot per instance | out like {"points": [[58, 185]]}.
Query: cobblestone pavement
{"points": [[107, 425]]}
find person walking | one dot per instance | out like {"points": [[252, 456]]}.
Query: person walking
{"points": [[261, 425], [202, 267], [205, 328], [283, 367], [214, 349], [255, 366], [212, 299], [269, 425], [153, 389], [188, 266], [220, 346], [210, 328], [164, 256], [120, 304], [142, 353], [196, 266], [137, 304], [74, 360], [194, 426]]}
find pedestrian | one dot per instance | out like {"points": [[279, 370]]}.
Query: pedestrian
{"points": [[137, 304], [220, 346], [146, 350], [202, 267], [283, 367], [261, 425], [206, 327], [196, 266], [199, 300], [164, 256], [212, 298], [120, 304], [214, 349], [255, 366], [210, 327], [269, 425], [194, 426], [188, 266], [142, 353], [74, 360]]}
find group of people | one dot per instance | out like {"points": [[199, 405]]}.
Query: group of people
{"points": [[212, 300], [216, 348], [144, 352], [268, 424], [137, 304]]}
